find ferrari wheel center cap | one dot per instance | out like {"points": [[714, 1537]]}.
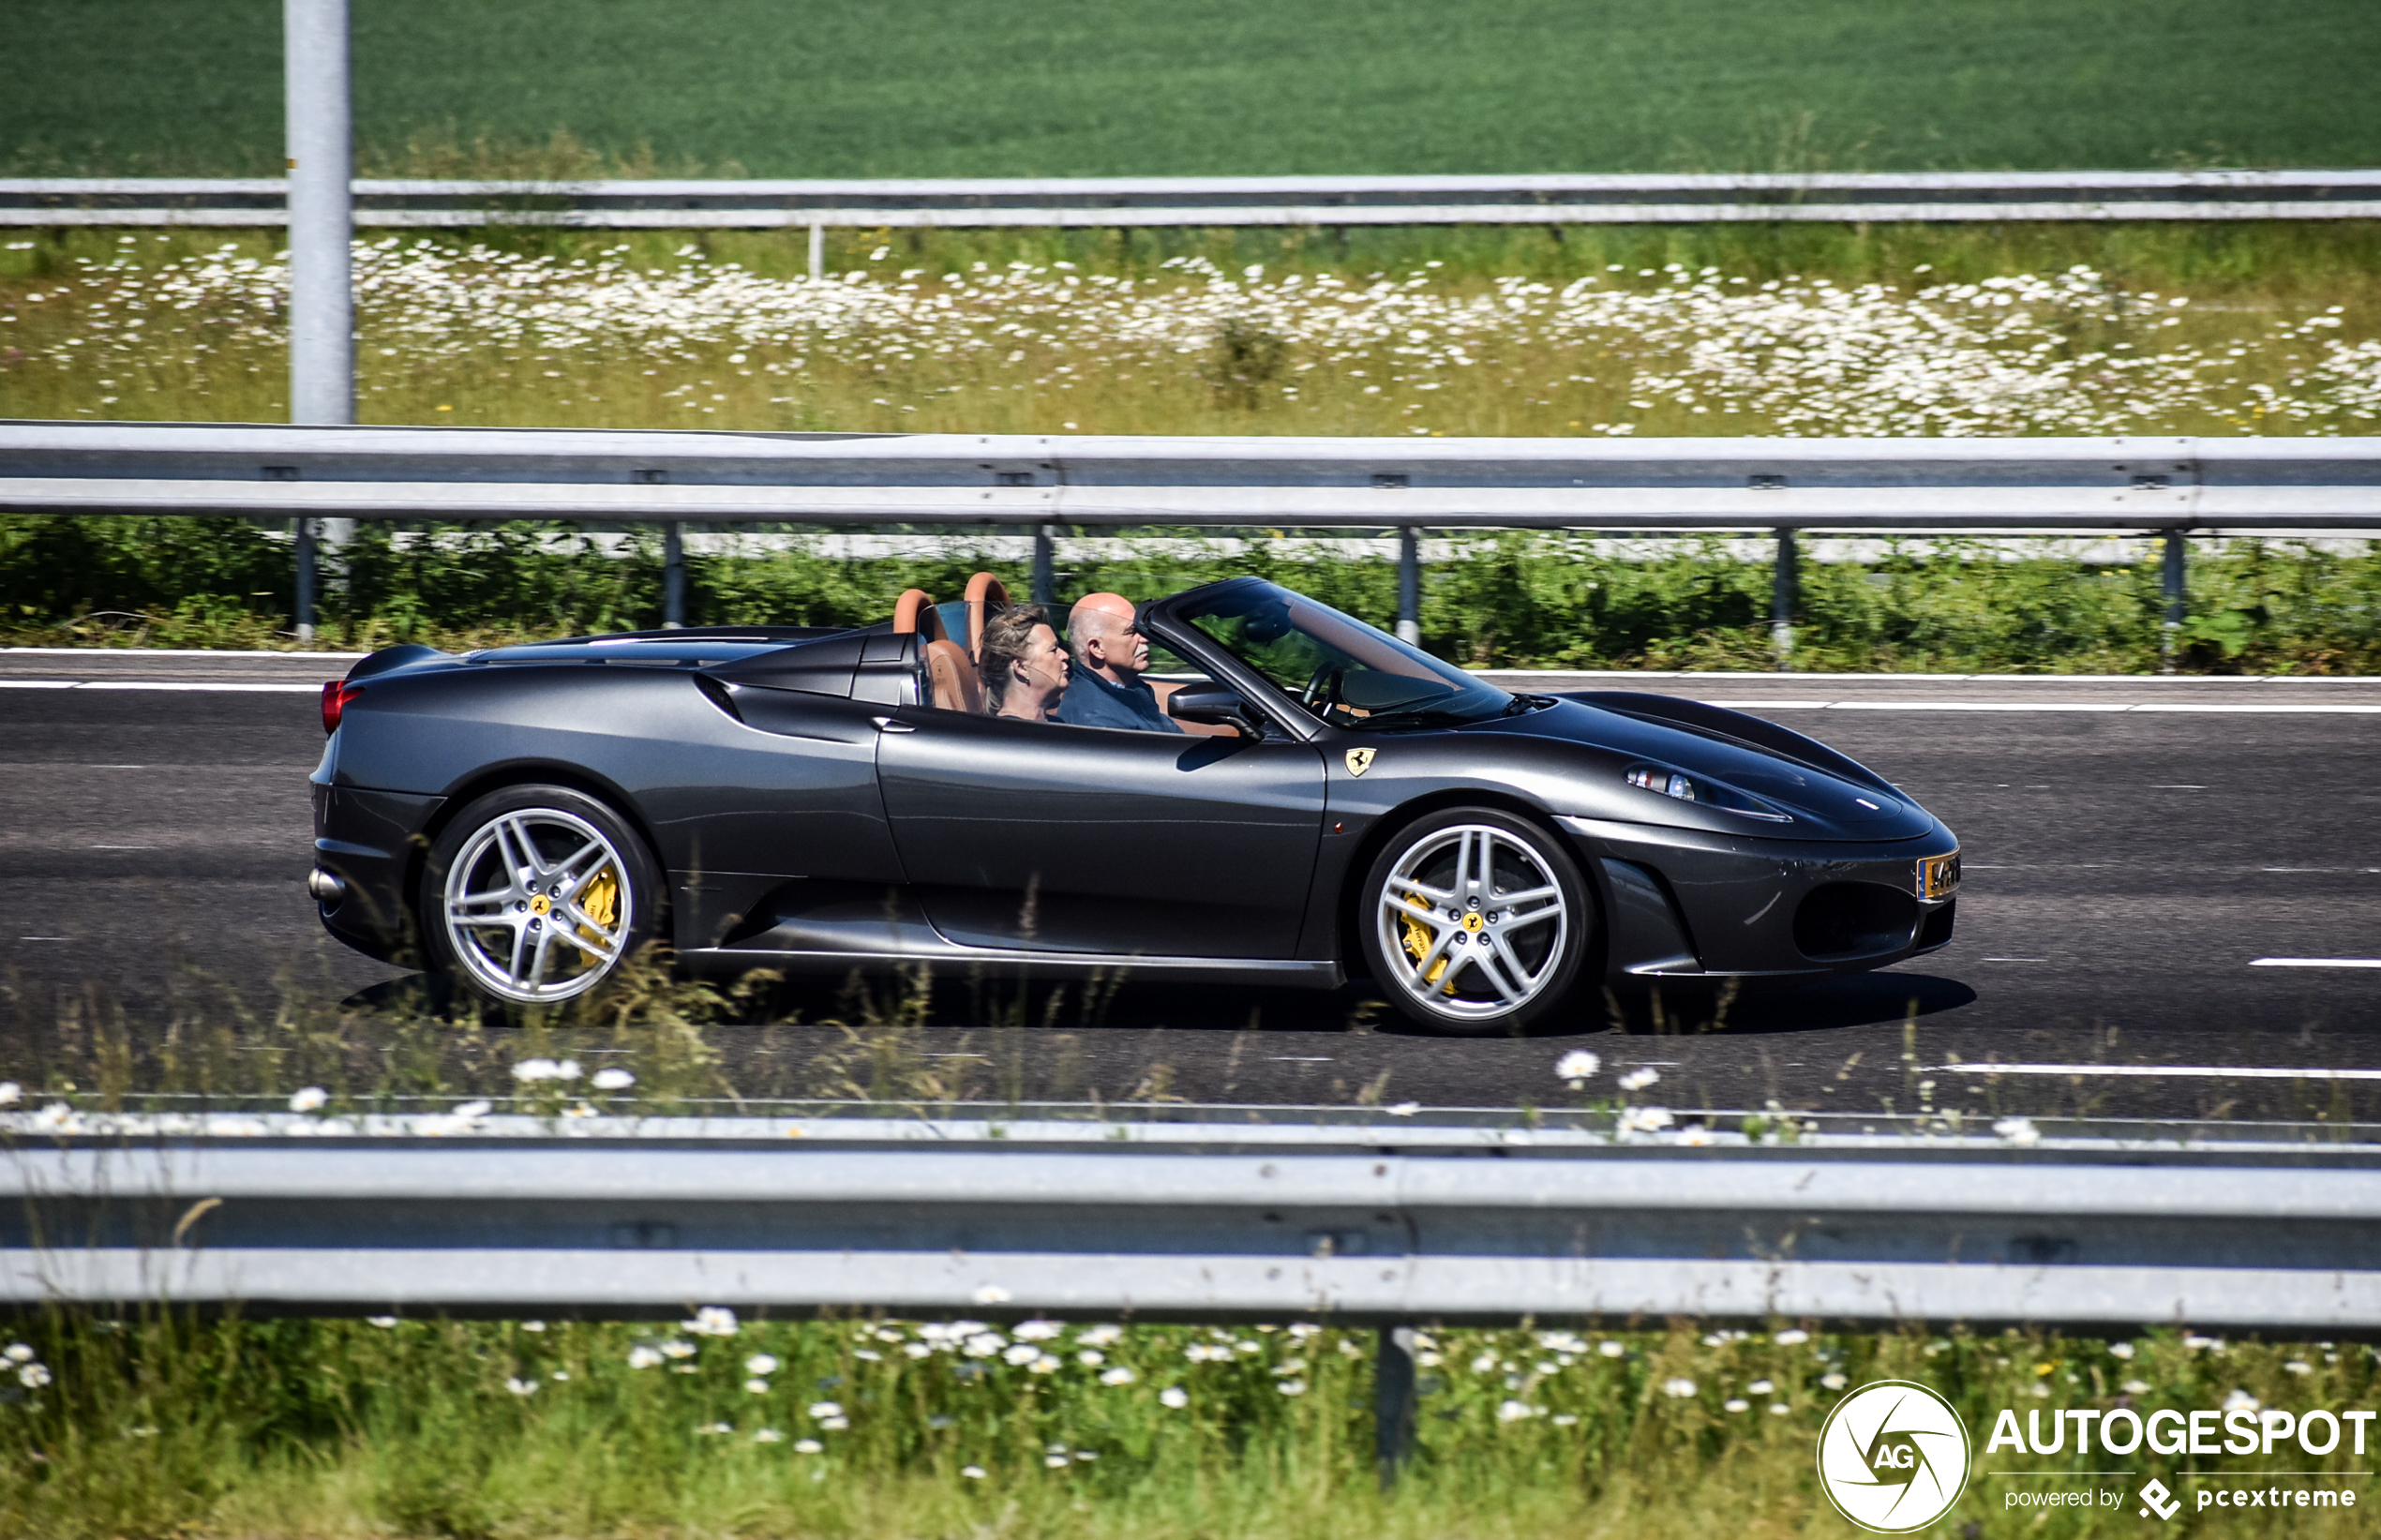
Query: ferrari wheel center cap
{"points": [[540, 905], [1473, 922]]}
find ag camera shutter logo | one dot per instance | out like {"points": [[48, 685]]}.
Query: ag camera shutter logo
{"points": [[1892, 1457]]}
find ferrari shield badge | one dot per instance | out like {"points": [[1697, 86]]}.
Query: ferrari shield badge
{"points": [[1359, 760]]}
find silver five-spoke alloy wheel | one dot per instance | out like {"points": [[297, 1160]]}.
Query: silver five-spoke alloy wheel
{"points": [[538, 905], [1472, 923]]}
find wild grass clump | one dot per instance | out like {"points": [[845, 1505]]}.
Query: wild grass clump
{"points": [[164, 1424]]}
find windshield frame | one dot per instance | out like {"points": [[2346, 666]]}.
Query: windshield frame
{"points": [[1485, 701]]}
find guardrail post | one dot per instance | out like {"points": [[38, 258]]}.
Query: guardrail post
{"points": [[1785, 593], [1044, 561], [320, 162], [1409, 585], [2177, 601], [303, 606], [817, 251], [673, 576], [1393, 1402]]}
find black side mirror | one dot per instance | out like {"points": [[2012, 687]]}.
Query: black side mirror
{"points": [[1220, 704]]}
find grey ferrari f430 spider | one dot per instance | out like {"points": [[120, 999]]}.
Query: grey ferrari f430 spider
{"points": [[1338, 804]]}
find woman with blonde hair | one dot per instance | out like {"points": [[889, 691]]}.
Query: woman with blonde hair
{"points": [[1023, 668]]}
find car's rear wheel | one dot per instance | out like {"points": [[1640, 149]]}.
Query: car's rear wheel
{"points": [[1474, 920], [537, 895]]}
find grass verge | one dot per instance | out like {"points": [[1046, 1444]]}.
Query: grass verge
{"points": [[475, 1430]]}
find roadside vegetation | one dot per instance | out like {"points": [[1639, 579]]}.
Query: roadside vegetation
{"points": [[2121, 329], [868, 1427], [1511, 601], [1605, 332]]}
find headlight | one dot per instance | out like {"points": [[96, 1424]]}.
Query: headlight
{"points": [[1668, 782], [1689, 788]]}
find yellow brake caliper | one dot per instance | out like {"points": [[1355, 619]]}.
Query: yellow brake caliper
{"points": [[600, 901], [1417, 944]]}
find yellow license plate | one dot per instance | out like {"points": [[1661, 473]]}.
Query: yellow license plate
{"points": [[1939, 875]]}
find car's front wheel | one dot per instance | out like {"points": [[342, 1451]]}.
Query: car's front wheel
{"points": [[537, 895], [1474, 921]]}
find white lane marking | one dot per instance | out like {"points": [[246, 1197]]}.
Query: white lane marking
{"points": [[123, 847], [176, 684], [235, 652], [2258, 707], [1299, 1058], [1817, 675], [2333, 870], [117, 767], [242, 686], [45, 939], [2174, 786], [2154, 1072], [2016, 958], [2316, 962]]}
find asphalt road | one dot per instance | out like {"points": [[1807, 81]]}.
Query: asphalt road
{"points": [[2133, 848]]}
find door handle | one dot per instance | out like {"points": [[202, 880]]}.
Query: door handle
{"points": [[891, 725]]}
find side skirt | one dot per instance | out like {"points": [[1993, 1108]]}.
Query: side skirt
{"points": [[1017, 964]]}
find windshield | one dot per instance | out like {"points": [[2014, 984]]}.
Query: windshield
{"points": [[1347, 673]]}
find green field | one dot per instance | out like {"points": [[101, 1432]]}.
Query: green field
{"points": [[1147, 87]]}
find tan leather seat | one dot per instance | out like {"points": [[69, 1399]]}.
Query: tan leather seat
{"points": [[987, 597], [953, 677], [952, 680], [908, 609]]}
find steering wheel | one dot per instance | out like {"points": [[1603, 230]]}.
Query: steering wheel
{"points": [[1322, 691]]}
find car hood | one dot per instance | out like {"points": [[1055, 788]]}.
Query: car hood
{"points": [[1827, 795]]}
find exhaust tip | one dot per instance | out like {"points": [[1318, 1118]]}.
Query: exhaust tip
{"points": [[326, 888]]}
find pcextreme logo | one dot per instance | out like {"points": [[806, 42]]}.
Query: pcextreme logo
{"points": [[1892, 1457]]}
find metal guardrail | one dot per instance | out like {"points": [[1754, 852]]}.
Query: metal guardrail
{"points": [[315, 474], [1238, 201], [1492, 1229], [977, 479]]}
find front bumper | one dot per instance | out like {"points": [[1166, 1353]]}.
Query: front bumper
{"points": [[1685, 903]]}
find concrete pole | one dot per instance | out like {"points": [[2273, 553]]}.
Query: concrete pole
{"points": [[305, 577], [321, 291], [818, 253], [1393, 1389], [673, 576], [1409, 585], [1045, 562], [2178, 600], [1785, 596]]}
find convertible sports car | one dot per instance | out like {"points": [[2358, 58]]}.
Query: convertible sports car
{"points": [[1340, 803]]}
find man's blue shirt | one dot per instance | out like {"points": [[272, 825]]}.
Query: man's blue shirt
{"points": [[1091, 701]]}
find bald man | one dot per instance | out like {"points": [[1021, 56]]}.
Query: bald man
{"points": [[1106, 689]]}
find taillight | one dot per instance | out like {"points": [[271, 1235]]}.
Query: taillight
{"points": [[336, 695]]}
